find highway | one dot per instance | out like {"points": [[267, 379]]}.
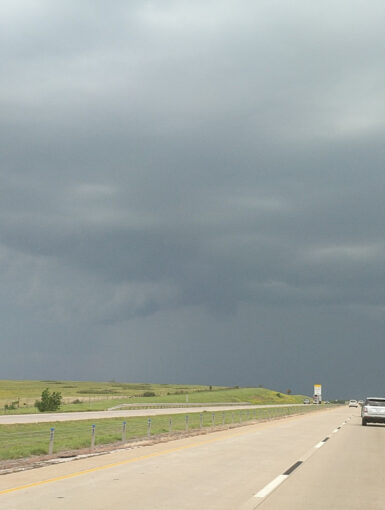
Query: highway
{"points": [[13, 419], [324, 460]]}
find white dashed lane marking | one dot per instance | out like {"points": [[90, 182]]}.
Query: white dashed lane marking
{"points": [[270, 487]]}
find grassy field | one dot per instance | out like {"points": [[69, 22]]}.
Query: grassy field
{"points": [[85, 395], [17, 441], [11, 390], [89, 395]]}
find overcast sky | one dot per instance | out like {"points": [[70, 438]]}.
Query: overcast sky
{"points": [[193, 192]]}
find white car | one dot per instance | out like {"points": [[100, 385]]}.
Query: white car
{"points": [[353, 403], [373, 410]]}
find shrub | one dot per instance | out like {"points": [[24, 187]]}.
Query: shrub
{"points": [[10, 407], [148, 394], [49, 401]]}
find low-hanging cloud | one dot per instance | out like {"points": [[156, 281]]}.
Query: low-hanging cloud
{"points": [[191, 160]]}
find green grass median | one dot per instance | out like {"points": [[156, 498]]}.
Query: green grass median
{"points": [[25, 440]]}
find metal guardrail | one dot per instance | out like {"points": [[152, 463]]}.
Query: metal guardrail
{"points": [[167, 405], [64, 437]]}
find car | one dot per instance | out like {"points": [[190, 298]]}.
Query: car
{"points": [[373, 410], [361, 402], [353, 403], [306, 401]]}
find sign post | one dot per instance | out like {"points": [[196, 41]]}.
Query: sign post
{"points": [[317, 395]]}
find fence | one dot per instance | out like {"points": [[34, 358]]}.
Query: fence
{"points": [[18, 441]]}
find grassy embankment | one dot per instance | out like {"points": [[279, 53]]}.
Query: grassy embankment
{"points": [[18, 441], [102, 395]]}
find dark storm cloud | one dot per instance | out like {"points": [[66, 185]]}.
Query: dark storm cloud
{"points": [[177, 159]]}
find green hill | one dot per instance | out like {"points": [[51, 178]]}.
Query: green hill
{"points": [[91, 395]]}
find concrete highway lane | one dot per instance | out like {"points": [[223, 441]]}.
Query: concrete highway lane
{"points": [[223, 470], [347, 473], [12, 419]]}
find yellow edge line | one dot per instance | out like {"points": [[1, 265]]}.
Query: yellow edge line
{"points": [[121, 463], [115, 464], [135, 459]]}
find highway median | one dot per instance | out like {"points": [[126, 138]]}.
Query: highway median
{"points": [[71, 437]]}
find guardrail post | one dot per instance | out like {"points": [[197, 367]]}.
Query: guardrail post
{"points": [[51, 439], [93, 437], [223, 418], [186, 420], [232, 417], [213, 419], [149, 427], [169, 425], [124, 432], [201, 420]]}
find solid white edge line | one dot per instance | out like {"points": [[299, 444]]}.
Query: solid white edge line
{"points": [[318, 445], [271, 486]]}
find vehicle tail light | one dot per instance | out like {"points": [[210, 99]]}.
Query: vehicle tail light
{"points": [[365, 409]]}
